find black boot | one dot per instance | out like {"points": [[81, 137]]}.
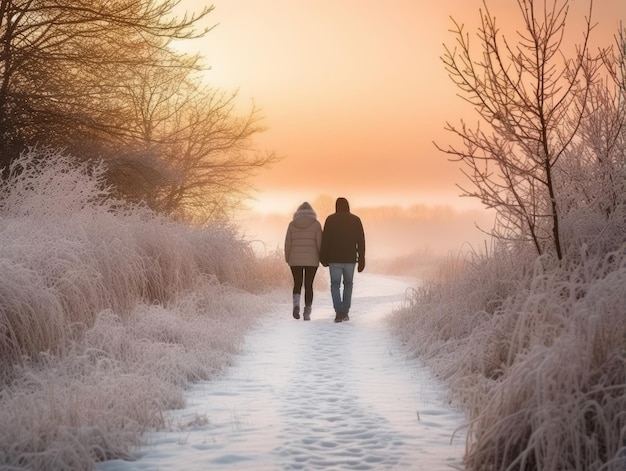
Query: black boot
{"points": [[306, 315], [296, 312]]}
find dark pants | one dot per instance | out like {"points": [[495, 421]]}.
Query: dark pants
{"points": [[308, 275]]}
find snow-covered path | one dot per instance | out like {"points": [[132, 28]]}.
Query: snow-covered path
{"points": [[314, 395]]}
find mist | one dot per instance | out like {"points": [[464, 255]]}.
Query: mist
{"points": [[400, 240]]}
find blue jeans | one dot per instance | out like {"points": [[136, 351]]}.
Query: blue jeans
{"points": [[337, 272]]}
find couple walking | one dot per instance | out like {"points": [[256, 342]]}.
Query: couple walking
{"points": [[339, 246]]}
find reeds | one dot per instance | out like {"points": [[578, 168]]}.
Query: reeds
{"points": [[536, 357], [106, 313]]}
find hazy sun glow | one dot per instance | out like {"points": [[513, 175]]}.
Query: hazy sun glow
{"points": [[354, 93]]}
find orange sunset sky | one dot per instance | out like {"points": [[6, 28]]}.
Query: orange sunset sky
{"points": [[353, 92]]}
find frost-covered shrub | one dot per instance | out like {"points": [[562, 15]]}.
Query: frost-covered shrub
{"points": [[107, 311], [70, 251], [590, 180], [275, 272], [536, 356], [561, 403], [46, 184], [450, 311], [95, 401], [591, 225]]}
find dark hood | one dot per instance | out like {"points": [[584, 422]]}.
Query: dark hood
{"points": [[342, 205]]}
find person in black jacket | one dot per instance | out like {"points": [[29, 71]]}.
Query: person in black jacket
{"points": [[343, 248]]}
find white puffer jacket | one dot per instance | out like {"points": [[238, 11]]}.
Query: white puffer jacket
{"points": [[303, 240]]}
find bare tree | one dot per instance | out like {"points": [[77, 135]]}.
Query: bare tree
{"points": [[211, 157], [524, 91], [60, 62], [187, 152], [101, 80]]}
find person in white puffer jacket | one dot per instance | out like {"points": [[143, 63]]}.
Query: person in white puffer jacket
{"points": [[303, 242]]}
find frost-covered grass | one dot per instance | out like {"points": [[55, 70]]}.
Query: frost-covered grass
{"points": [[537, 356], [106, 313]]}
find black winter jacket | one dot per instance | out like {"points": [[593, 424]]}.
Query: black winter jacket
{"points": [[343, 238]]}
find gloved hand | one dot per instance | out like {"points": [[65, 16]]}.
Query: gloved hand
{"points": [[361, 265]]}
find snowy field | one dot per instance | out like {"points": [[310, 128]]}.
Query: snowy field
{"points": [[314, 395]]}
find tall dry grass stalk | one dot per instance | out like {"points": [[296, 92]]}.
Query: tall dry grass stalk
{"points": [[536, 357], [106, 313]]}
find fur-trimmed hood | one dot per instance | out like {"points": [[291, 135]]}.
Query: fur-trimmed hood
{"points": [[304, 217]]}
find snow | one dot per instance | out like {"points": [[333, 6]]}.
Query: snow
{"points": [[314, 395]]}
